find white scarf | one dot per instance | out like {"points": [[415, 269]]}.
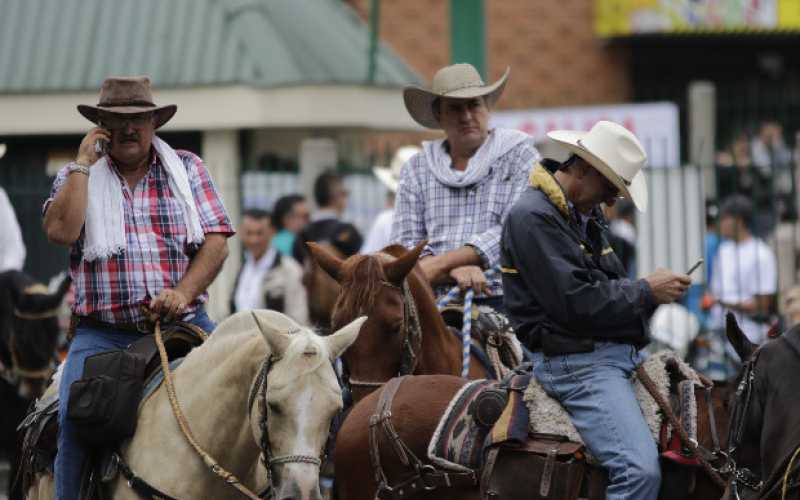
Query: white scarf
{"points": [[105, 223], [499, 142]]}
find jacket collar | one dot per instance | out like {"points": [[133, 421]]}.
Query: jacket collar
{"points": [[544, 181]]}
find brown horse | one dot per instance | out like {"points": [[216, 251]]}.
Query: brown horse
{"points": [[321, 289], [373, 285], [418, 406]]}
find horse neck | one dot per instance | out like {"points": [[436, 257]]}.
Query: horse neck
{"points": [[212, 387], [441, 351]]}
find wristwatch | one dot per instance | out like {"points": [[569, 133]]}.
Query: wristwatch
{"points": [[78, 168]]}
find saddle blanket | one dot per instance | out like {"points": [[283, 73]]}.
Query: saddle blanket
{"points": [[459, 439], [547, 416]]}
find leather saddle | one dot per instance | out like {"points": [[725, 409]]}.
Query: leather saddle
{"points": [[37, 445]]}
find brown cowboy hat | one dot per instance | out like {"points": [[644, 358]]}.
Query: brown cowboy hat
{"points": [[127, 95]]}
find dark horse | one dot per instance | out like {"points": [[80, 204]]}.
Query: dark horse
{"points": [[28, 335], [388, 344], [765, 424]]}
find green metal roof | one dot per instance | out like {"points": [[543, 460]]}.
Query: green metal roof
{"points": [[71, 45]]}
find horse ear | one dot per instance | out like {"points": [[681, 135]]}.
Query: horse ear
{"points": [[344, 337], [397, 270], [326, 260], [277, 339], [52, 300], [743, 347]]}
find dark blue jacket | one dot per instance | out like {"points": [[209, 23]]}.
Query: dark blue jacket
{"points": [[564, 290]]}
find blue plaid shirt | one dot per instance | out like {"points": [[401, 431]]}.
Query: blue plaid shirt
{"points": [[450, 218]]}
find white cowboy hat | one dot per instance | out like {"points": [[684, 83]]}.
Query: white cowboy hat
{"points": [[615, 152], [2, 150], [459, 81], [390, 176]]}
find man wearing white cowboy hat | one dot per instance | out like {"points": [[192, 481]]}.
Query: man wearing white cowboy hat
{"points": [[380, 234], [456, 193], [570, 302], [12, 248], [146, 227]]}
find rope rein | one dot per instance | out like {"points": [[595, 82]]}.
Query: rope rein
{"points": [[183, 424], [466, 322]]}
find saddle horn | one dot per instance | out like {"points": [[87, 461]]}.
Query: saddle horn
{"points": [[330, 263], [397, 270]]}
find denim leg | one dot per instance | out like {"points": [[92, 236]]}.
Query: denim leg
{"points": [[71, 455], [595, 389]]}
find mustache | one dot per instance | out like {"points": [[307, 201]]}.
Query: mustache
{"points": [[128, 138]]}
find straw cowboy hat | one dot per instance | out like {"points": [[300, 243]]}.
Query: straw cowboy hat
{"points": [[127, 95], [390, 176], [615, 152], [459, 81]]}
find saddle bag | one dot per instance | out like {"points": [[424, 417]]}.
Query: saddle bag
{"points": [[103, 405], [553, 467]]}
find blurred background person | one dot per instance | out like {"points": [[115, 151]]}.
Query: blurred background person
{"points": [[744, 279], [326, 225], [622, 226], [289, 216], [267, 279], [380, 233], [12, 248]]}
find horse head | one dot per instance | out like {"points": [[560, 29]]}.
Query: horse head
{"points": [[30, 323], [374, 285], [745, 408], [297, 401]]}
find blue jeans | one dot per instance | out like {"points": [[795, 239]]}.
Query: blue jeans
{"points": [[87, 342], [596, 390]]}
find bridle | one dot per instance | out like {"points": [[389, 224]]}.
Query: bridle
{"points": [[259, 392], [412, 341]]}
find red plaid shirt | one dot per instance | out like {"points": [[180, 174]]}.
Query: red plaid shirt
{"points": [[156, 255]]}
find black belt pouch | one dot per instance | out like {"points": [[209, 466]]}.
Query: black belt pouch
{"points": [[103, 405]]}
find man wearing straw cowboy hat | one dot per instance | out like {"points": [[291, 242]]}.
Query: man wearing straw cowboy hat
{"points": [[570, 302], [380, 234], [145, 226], [458, 190]]}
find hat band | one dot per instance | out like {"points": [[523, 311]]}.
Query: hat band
{"points": [[120, 104], [623, 179]]}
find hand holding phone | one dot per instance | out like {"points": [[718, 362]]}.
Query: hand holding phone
{"points": [[93, 146]]}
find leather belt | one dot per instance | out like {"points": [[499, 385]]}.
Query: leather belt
{"points": [[143, 327]]}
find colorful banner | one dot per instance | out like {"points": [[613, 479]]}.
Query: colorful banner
{"points": [[637, 17]]}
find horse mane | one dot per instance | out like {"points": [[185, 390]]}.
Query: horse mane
{"points": [[362, 277]]}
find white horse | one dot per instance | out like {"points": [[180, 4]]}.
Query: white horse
{"points": [[213, 386]]}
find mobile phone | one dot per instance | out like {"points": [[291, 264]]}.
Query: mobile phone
{"points": [[695, 266], [100, 145]]}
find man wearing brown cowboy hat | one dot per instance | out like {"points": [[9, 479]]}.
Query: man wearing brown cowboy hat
{"points": [[145, 226], [571, 303], [458, 190]]}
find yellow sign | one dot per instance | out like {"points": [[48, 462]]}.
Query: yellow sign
{"points": [[637, 17]]}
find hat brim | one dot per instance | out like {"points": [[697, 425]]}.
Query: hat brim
{"points": [[419, 101], [636, 191], [162, 114], [384, 174]]}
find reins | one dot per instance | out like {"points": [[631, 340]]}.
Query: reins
{"points": [[412, 342]]}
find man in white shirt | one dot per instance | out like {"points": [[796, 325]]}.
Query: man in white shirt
{"points": [[744, 279], [267, 279], [380, 234], [12, 248]]}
